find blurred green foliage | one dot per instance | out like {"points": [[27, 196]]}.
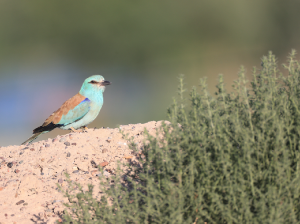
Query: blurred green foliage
{"points": [[141, 46], [232, 159], [139, 33]]}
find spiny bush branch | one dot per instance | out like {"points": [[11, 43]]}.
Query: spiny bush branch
{"points": [[232, 158]]}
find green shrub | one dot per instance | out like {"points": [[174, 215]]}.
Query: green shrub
{"points": [[234, 158]]}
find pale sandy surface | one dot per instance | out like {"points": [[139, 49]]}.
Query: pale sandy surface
{"points": [[28, 175]]}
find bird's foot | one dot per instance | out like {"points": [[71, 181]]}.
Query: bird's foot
{"points": [[84, 129], [74, 130]]}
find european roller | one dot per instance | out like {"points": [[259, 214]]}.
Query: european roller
{"points": [[78, 111]]}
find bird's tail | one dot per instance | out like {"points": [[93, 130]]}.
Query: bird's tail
{"points": [[32, 138]]}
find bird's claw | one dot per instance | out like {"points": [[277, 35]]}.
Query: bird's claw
{"points": [[84, 129], [76, 131], [80, 130]]}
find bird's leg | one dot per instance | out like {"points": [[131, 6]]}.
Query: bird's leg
{"points": [[85, 128], [73, 129]]}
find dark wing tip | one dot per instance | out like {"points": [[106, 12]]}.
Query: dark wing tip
{"points": [[48, 127]]}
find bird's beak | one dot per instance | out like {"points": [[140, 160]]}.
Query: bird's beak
{"points": [[105, 83]]}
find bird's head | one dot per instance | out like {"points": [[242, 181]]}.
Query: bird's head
{"points": [[93, 84]]}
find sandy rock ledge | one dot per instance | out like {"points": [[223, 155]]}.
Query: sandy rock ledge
{"points": [[29, 174]]}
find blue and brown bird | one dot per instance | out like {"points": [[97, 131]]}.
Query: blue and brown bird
{"points": [[78, 111]]}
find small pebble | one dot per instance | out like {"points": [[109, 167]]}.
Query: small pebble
{"points": [[50, 160], [62, 140], [25, 148], [106, 173], [20, 202], [21, 162], [60, 180], [98, 174], [76, 171], [67, 143], [22, 209], [25, 204], [21, 153], [86, 172], [74, 143], [54, 140], [47, 145], [103, 164], [68, 154], [42, 173], [32, 149], [94, 164], [94, 172], [17, 171], [104, 150], [9, 165]]}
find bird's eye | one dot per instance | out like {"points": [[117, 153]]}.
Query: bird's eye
{"points": [[93, 82]]}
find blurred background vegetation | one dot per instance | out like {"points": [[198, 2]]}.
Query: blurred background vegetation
{"points": [[47, 49]]}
